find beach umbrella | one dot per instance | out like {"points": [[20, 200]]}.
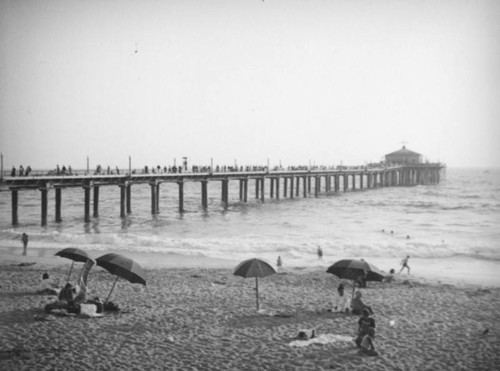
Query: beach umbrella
{"points": [[353, 269], [123, 267], [76, 255], [254, 268]]}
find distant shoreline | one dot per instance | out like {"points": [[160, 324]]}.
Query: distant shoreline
{"points": [[457, 271]]}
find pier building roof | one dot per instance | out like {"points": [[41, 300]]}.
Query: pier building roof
{"points": [[403, 156]]}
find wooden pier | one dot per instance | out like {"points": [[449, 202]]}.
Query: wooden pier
{"points": [[277, 183]]}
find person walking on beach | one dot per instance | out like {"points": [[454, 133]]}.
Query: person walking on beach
{"points": [[279, 263], [24, 239], [404, 264]]}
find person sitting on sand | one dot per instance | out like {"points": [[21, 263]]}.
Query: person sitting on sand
{"points": [[357, 305], [69, 292], [73, 296], [389, 277], [365, 323], [341, 303], [366, 346], [47, 286]]}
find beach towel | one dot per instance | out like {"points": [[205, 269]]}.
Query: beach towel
{"points": [[89, 310], [341, 340]]}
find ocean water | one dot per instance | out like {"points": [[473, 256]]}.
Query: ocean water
{"points": [[460, 217]]}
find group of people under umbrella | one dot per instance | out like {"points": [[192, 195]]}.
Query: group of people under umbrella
{"points": [[359, 271], [73, 298]]}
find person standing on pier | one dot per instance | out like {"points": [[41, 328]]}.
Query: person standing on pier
{"points": [[404, 264], [24, 239]]}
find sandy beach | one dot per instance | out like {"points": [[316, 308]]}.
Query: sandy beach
{"points": [[195, 315]]}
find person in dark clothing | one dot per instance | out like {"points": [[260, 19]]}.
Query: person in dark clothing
{"points": [[24, 239], [367, 346], [364, 324], [320, 252]]}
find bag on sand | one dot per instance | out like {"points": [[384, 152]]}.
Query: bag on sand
{"points": [[111, 307], [89, 310]]}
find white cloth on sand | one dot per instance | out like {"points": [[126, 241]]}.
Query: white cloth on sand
{"points": [[324, 339], [89, 310]]}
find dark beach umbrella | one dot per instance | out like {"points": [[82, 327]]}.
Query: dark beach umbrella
{"points": [[254, 268], [353, 269], [74, 254], [123, 267]]}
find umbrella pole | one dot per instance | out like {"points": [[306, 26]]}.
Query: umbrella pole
{"points": [[69, 275], [112, 289], [257, 291], [353, 287]]}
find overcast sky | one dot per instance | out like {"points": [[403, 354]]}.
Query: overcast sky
{"points": [[248, 80]]}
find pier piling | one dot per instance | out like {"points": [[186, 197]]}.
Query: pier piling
{"points": [[204, 194], [278, 179], [225, 192], [262, 189], [86, 191], [245, 190], [129, 202], [58, 204], [180, 183], [96, 201], [14, 202], [153, 198], [158, 197], [123, 198]]}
